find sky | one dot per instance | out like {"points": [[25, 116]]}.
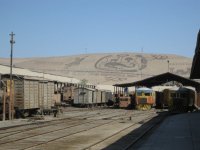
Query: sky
{"points": [[45, 28]]}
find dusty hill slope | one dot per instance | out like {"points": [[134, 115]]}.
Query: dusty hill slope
{"points": [[107, 68]]}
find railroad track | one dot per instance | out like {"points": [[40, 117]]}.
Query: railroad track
{"points": [[28, 127], [48, 122], [99, 125], [64, 131], [62, 121]]}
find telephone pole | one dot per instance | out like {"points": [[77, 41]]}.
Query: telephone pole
{"points": [[11, 102], [168, 65]]}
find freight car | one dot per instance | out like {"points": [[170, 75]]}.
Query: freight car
{"points": [[46, 96], [30, 94], [145, 98], [91, 97], [84, 96], [103, 96]]}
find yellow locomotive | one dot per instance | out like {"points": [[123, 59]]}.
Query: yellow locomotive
{"points": [[145, 98]]}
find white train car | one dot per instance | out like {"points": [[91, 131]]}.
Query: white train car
{"points": [[84, 96]]}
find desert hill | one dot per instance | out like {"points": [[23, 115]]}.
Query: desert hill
{"points": [[108, 68]]}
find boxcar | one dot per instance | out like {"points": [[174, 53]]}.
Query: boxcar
{"points": [[25, 94], [46, 95], [102, 96], [98, 97], [84, 96], [30, 94]]}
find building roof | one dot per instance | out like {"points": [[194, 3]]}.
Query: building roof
{"points": [[161, 79], [195, 71], [33, 74]]}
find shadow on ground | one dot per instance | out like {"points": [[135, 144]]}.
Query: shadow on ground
{"points": [[131, 138]]}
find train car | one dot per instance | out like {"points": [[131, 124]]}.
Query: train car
{"points": [[98, 97], [84, 96], [181, 100], [46, 95], [103, 96], [30, 94], [145, 98], [68, 93], [109, 96], [168, 95], [25, 94], [124, 102]]}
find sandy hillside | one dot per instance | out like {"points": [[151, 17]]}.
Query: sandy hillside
{"points": [[107, 68]]}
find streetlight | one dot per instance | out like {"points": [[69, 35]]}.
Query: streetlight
{"points": [[11, 102]]}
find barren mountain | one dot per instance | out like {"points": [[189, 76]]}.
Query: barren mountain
{"points": [[107, 68]]}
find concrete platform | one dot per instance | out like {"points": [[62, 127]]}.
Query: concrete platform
{"points": [[177, 132]]}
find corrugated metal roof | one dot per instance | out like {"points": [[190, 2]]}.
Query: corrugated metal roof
{"points": [[32, 74]]}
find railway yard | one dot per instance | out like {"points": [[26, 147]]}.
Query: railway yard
{"points": [[81, 128], [41, 111]]}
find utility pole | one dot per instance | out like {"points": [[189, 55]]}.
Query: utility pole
{"points": [[168, 64], [11, 102]]}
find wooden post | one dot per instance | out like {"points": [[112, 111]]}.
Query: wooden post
{"points": [[4, 104]]}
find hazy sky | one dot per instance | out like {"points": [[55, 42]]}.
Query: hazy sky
{"points": [[70, 27]]}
